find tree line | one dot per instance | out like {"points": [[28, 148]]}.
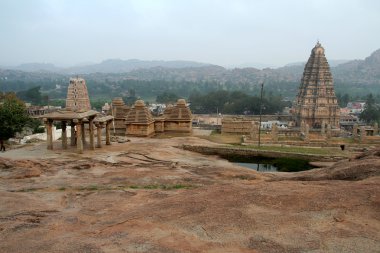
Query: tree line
{"points": [[236, 102]]}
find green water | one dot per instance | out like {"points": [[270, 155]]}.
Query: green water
{"points": [[266, 164]]}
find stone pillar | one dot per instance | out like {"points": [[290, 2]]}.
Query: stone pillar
{"points": [[254, 131], [83, 133], [355, 131], [73, 134], [307, 136], [328, 131], [108, 132], [302, 127], [323, 129], [362, 133], [375, 129], [274, 133], [99, 127], [91, 128], [79, 125], [49, 133], [64, 135]]}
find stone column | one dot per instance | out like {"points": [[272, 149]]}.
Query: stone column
{"points": [[83, 133], [355, 131], [79, 125], [64, 135], [99, 127], [363, 133], [49, 133], [307, 136], [375, 129], [274, 132], [323, 129], [328, 131], [254, 131], [73, 134], [91, 128], [108, 132]]}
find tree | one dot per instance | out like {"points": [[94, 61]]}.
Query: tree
{"points": [[371, 112], [13, 116], [167, 97], [33, 95]]}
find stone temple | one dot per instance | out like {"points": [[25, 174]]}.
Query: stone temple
{"points": [[77, 95], [316, 103]]}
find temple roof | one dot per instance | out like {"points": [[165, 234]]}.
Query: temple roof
{"points": [[139, 114], [118, 101], [178, 112]]}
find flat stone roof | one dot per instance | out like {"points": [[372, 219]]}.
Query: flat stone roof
{"points": [[103, 119], [69, 115]]}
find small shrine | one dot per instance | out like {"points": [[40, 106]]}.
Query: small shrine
{"points": [[178, 118], [139, 120], [119, 112]]}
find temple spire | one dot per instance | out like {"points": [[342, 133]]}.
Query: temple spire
{"points": [[316, 103]]}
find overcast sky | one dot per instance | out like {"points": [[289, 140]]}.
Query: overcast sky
{"points": [[223, 32]]}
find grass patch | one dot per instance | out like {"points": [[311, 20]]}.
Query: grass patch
{"points": [[299, 150], [161, 186], [90, 188], [29, 189], [61, 188]]}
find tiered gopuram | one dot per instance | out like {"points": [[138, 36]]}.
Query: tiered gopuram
{"points": [[77, 95], [316, 103]]}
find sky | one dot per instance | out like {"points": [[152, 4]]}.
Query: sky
{"points": [[223, 32]]}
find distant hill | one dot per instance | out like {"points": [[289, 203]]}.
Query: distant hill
{"points": [[107, 66], [332, 63], [355, 77], [365, 71], [36, 67]]}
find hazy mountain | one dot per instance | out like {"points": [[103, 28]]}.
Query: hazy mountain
{"points": [[360, 71], [36, 67], [354, 77], [332, 63], [107, 66]]}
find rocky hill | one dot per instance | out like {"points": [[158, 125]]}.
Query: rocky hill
{"points": [[358, 77], [365, 71]]}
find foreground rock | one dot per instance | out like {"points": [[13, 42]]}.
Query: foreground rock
{"points": [[148, 196]]}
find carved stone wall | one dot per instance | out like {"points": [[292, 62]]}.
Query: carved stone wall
{"points": [[77, 95]]}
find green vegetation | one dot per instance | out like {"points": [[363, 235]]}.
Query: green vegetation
{"points": [[13, 116], [162, 187], [148, 85], [235, 102], [371, 113], [299, 150], [35, 125], [167, 97]]}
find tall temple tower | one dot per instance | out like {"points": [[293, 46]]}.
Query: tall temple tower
{"points": [[77, 95], [316, 103]]}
